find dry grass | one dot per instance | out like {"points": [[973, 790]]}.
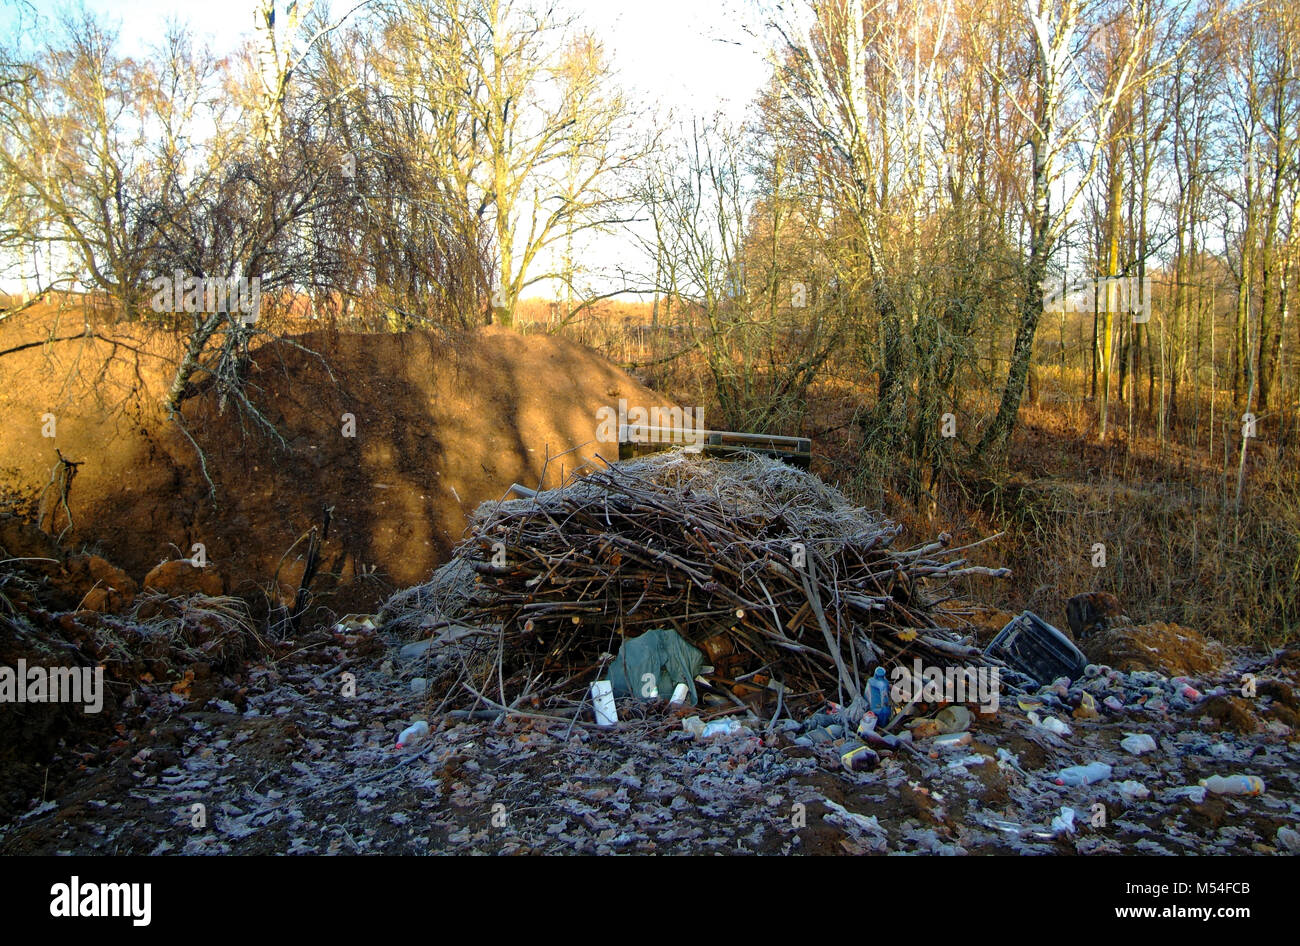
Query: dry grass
{"points": [[1178, 546], [218, 630]]}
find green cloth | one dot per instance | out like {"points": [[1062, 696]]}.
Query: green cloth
{"points": [[660, 652]]}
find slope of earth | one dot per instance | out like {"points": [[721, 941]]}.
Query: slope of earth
{"points": [[401, 435]]}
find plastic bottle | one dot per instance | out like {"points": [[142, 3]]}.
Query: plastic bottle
{"points": [[878, 696], [1234, 784], [720, 727], [951, 740], [1083, 774], [880, 740], [859, 758], [413, 733], [602, 699], [868, 723]]}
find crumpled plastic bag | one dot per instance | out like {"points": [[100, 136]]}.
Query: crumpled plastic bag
{"points": [[661, 653]]}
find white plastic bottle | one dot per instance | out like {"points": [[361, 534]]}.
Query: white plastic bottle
{"points": [[720, 727], [1234, 784], [1084, 774], [602, 698]]}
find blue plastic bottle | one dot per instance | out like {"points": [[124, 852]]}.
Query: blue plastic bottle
{"points": [[878, 696]]}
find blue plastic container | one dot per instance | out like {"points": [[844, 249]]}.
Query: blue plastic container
{"points": [[878, 697]]}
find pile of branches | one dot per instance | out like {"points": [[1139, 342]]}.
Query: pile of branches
{"points": [[770, 572]]}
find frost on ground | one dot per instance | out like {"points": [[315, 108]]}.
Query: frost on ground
{"points": [[282, 761]]}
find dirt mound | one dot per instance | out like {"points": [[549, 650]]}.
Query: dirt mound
{"points": [[402, 435], [1167, 648]]}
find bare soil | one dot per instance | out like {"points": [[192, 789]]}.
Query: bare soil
{"points": [[439, 427]]}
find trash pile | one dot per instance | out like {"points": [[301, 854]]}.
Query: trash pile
{"points": [[748, 616], [756, 578], [287, 761]]}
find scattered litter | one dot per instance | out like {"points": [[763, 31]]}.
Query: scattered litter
{"points": [[1064, 822], [1084, 774], [729, 726], [602, 698], [859, 758], [954, 719], [1133, 790], [1234, 784], [413, 734], [351, 623], [1087, 708], [1051, 724], [641, 787], [1193, 793], [949, 741], [1138, 743], [862, 823], [414, 649], [923, 728]]}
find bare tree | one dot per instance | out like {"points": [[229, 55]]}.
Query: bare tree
{"points": [[1058, 29], [72, 131]]}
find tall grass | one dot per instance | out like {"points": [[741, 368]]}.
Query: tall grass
{"points": [[1178, 548]]}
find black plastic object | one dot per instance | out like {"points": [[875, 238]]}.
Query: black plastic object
{"points": [[1035, 648]]}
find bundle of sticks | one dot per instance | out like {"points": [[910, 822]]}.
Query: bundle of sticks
{"points": [[774, 575]]}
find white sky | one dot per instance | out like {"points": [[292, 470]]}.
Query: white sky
{"points": [[680, 53], [689, 55]]}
